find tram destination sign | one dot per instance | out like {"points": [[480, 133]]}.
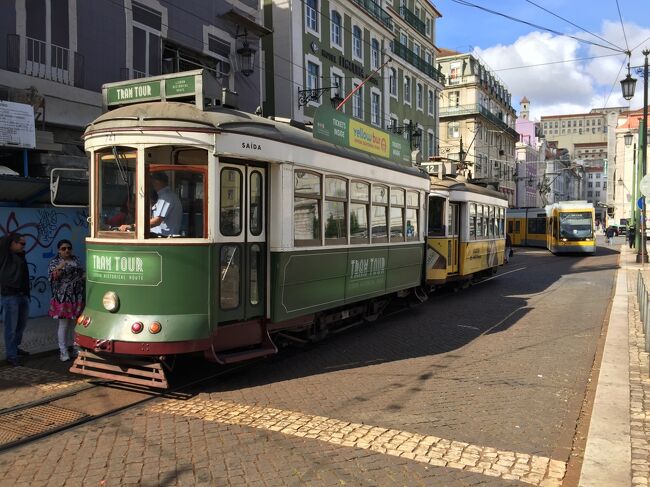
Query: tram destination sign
{"points": [[188, 85], [126, 268], [337, 128]]}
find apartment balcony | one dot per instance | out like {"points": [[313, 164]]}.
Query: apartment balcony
{"points": [[410, 57], [375, 9], [412, 20], [44, 60], [478, 109]]}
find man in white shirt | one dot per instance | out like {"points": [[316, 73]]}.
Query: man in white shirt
{"points": [[167, 212]]}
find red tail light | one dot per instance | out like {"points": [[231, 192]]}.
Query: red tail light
{"points": [[137, 327]]}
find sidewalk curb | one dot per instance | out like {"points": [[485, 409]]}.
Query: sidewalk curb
{"points": [[608, 454]]}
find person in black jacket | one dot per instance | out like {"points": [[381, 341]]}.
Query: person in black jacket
{"points": [[14, 293]]}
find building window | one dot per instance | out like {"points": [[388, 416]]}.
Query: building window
{"points": [[590, 185], [375, 109], [419, 96], [147, 26], [407, 90], [590, 176], [357, 48], [313, 75], [430, 144], [453, 130], [392, 82], [454, 73], [598, 184], [374, 54], [336, 29], [597, 194], [430, 103], [337, 80], [357, 101], [311, 14], [590, 194], [392, 122]]}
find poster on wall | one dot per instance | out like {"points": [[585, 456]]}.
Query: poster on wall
{"points": [[43, 228], [17, 125]]}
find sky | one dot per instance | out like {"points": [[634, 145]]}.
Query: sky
{"points": [[572, 76]]}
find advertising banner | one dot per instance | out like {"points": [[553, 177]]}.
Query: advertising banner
{"points": [[336, 127]]}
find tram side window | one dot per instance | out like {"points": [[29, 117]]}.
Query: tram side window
{"points": [[307, 196], [436, 217], [536, 226], [490, 221], [396, 215], [230, 211], [336, 197], [472, 221], [256, 210], [479, 221], [379, 211], [360, 202], [502, 222], [412, 209], [116, 171]]}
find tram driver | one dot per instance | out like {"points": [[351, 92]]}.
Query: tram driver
{"points": [[166, 212]]}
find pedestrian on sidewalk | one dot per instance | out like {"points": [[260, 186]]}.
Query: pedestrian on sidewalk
{"points": [[14, 294], [609, 233], [67, 278], [631, 236]]}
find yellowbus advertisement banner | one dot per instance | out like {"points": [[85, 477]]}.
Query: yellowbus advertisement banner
{"points": [[368, 139]]}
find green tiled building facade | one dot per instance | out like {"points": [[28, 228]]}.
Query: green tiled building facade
{"points": [[338, 44]]}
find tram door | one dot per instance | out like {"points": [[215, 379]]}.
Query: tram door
{"points": [[454, 237], [241, 253]]}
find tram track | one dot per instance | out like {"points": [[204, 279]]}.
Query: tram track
{"points": [[29, 422]]}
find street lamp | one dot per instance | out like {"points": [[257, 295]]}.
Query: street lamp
{"points": [[628, 85]]}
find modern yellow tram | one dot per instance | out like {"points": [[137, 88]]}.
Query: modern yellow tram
{"points": [[563, 227]]}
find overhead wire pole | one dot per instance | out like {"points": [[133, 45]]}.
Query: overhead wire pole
{"points": [[363, 83], [642, 256]]}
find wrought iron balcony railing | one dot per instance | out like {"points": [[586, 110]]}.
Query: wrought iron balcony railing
{"points": [[374, 9], [409, 56], [477, 108], [412, 20], [44, 60]]}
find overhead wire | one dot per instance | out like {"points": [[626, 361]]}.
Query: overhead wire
{"points": [[622, 26], [573, 24], [537, 26]]}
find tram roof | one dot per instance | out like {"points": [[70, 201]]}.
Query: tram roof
{"points": [[451, 184], [180, 116]]}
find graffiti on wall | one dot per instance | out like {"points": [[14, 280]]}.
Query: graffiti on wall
{"points": [[43, 228]]}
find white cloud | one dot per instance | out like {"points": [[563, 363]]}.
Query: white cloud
{"points": [[571, 86]]}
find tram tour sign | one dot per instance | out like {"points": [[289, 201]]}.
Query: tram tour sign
{"points": [[128, 268], [335, 127]]}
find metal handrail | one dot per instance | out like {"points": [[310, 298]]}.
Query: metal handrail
{"points": [[643, 300], [55, 67]]}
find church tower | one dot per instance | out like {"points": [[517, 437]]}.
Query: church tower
{"points": [[524, 113]]}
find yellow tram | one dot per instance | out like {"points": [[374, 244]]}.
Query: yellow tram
{"points": [[563, 227], [466, 234]]}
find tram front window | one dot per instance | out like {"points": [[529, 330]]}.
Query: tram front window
{"points": [[576, 225], [176, 201], [116, 189]]}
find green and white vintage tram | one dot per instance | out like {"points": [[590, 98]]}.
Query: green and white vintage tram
{"points": [[277, 232]]}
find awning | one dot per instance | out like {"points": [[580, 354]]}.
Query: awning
{"points": [[246, 22], [21, 191]]}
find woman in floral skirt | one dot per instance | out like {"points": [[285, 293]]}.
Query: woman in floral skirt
{"points": [[67, 278]]}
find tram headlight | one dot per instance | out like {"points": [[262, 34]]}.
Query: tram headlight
{"points": [[564, 240], [111, 301]]}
